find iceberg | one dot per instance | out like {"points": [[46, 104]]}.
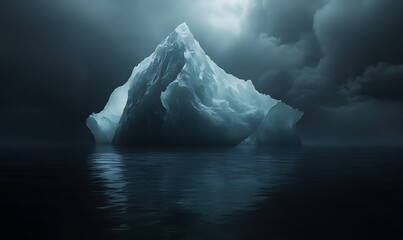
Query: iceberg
{"points": [[179, 96]]}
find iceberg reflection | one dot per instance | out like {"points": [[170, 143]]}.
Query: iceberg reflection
{"points": [[151, 187], [108, 169]]}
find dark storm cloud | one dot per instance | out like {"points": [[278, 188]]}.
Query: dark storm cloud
{"points": [[338, 40], [338, 60], [383, 82], [348, 67]]}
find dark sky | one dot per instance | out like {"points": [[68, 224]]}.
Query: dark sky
{"points": [[340, 61]]}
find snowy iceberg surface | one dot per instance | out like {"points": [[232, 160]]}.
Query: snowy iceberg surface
{"points": [[179, 96]]}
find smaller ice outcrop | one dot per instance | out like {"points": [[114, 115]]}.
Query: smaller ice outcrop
{"points": [[179, 96], [278, 127]]}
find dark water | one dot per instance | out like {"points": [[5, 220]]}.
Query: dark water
{"points": [[238, 193]]}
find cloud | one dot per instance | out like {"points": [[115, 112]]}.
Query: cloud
{"points": [[348, 68], [286, 20], [383, 82], [353, 35]]}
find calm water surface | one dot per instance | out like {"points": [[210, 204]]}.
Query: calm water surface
{"points": [[236, 193]]}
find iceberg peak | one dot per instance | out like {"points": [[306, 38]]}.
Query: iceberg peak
{"points": [[182, 28], [179, 96], [181, 36]]}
